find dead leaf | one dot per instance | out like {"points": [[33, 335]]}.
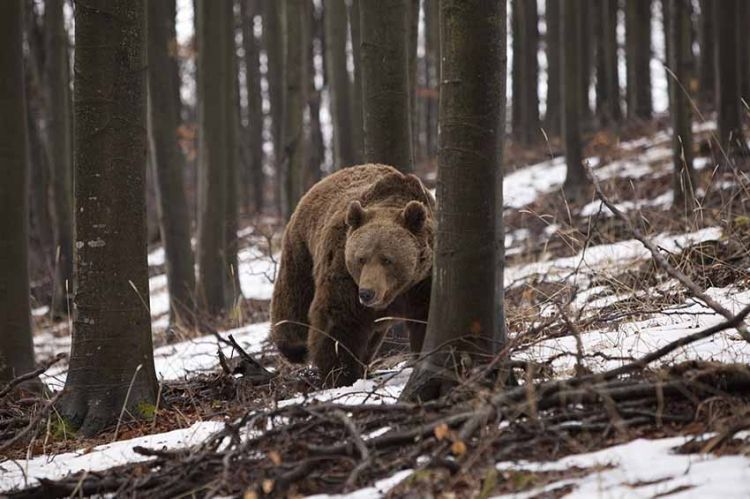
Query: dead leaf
{"points": [[441, 431], [275, 457], [268, 485], [458, 448], [250, 494]]}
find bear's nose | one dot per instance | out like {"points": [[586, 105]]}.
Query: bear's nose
{"points": [[366, 296]]}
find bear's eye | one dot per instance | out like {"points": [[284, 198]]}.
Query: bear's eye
{"points": [[361, 260], [385, 260]]}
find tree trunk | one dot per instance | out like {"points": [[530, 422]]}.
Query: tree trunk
{"points": [[743, 19], [385, 83], [706, 62], [411, 47], [295, 82], [358, 127], [516, 33], [57, 87], [338, 83], [607, 73], [575, 179], [432, 49], [728, 103], [586, 58], [273, 43], [680, 61], [212, 184], [111, 359], [638, 58], [526, 71], [250, 10], [164, 120], [466, 315], [553, 114], [315, 149], [16, 348]]}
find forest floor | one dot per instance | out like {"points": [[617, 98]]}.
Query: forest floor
{"points": [[593, 412]]}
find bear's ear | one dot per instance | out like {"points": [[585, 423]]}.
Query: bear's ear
{"points": [[413, 216], [355, 215]]}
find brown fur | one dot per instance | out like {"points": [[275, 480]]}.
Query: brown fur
{"points": [[364, 227]]}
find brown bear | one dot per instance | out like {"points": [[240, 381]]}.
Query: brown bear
{"points": [[358, 247]]}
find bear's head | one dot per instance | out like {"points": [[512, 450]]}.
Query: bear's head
{"points": [[387, 250]]}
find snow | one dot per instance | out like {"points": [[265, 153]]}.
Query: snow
{"points": [[21, 473], [645, 468]]}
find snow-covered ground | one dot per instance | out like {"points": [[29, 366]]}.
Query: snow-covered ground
{"points": [[641, 468]]}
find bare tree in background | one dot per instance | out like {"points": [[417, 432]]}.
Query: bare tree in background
{"points": [[575, 184], [638, 58], [296, 29], [164, 121], [385, 83], [432, 73], [338, 83], [728, 104], [57, 86], [16, 348], [466, 314], [526, 71], [273, 45], [706, 62], [358, 127], [607, 73], [315, 149], [111, 359], [254, 183], [553, 114], [680, 62], [412, 27]]}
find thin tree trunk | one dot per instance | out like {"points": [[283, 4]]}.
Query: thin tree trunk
{"points": [[529, 71], [575, 179], [338, 83], [358, 127], [385, 83], [250, 9], [315, 148], [706, 62], [58, 132], [295, 82], [111, 360], [607, 72], [411, 47], [212, 184], [16, 348], [680, 60], [466, 314], [164, 120], [553, 113], [273, 43], [432, 48], [638, 58], [586, 59], [731, 139], [516, 112]]}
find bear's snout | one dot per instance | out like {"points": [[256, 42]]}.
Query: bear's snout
{"points": [[366, 296]]}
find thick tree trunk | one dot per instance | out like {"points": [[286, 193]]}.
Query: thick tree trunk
{"points": [[273, 44], [212, 184], [57, 88], [466, 315], [553, 114], [164, 120], [432, 49], [607, 72], [250, 9], [680, 61], [731, 138], [111, 359], [338, 83], [358, 127], [295, 83], [706, 62], [638, 58], [16, 348], [385, 83], [575, 180]]}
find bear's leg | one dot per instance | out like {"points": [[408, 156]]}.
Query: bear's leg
{"points": [[292, 294], [339, 336]]}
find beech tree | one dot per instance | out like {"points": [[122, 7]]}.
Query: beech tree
{"points": [[706, 62], [607, 73], [358, 130], [466, 314], [553, 114], [111, 359], [164, 120], [338, 83], [60, 152], [638, 58], [273, 45], [525, 71], [432, 73], [385, 83], [16, 348], [255, 179]]}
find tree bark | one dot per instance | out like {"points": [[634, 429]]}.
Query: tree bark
{"points": [[412, 41], [212, 183], [358, 127], [164, 120], [315, 148], [553, 114], [250, 9], [528, 71], [57, 88], [295, 83], [638, 58], [273, 44], [16, 348], [680, 61], [432, 48], [111, 359], [706, 62], [466, 314], [385, 83], [338, 83], [607, 72], [731, 138], [574, 187]]}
